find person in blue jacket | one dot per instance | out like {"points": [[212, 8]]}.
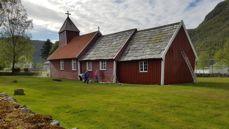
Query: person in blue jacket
{"points": [[86, 77]]}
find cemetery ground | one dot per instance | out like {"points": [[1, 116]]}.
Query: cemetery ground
{"points": [[204, 105]]}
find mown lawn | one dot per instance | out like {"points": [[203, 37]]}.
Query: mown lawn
{"points": [[111, 106]]}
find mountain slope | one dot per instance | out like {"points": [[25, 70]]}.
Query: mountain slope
{"points": [[37, 45], [213, 32]]}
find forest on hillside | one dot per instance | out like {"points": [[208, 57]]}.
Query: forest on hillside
{"points": [[211, 37]]}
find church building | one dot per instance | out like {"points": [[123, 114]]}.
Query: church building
{"points": [[160, 55]]}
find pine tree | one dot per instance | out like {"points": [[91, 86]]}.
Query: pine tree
{"points": [[54, 47], [46, 49]]}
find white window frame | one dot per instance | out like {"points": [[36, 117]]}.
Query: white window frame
{"points": [[103, 65], [143, 66], [74, 64], [61, 64], [89, 66]]}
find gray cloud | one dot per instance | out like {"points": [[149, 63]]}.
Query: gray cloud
{"points": [[41, 12], [117, 15]]}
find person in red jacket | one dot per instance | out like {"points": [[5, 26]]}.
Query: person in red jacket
{"points": [[96, 74]]}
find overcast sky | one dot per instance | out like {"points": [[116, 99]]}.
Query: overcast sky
{"points": [[113, 15]]}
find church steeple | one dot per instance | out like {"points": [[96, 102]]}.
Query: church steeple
{"points": [[68, 31]]}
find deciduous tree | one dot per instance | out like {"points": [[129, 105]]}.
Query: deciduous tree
{"points": [[14, 25], [222, 55], [203, 60], [23, 51]]}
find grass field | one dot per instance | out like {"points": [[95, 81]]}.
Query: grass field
{"points": [[111, 106]]}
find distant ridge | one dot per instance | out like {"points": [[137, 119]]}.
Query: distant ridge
{"points": [[213, 32]]}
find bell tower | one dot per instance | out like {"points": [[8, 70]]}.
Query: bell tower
{"points": [[68, 31]]}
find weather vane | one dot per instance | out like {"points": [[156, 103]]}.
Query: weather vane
{"points": [[68, 13]]}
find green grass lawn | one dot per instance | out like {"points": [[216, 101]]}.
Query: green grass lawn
{"points": [[204, 105]]}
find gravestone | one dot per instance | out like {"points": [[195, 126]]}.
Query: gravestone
{"points": [[19, 92]]}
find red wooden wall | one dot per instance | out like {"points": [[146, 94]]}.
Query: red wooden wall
{"points": [[67, 73], [176, 70], [128, 72], [104, 75]]}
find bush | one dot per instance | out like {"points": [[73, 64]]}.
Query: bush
{"points": [[14, 81], [26, 69], [57, 80], [212, 75], [19, 74], [17, 70]]}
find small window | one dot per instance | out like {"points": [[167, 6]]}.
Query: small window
{"points": [[89, 66], [143, 66], [103, 65], [74, 64], [61, 65]]}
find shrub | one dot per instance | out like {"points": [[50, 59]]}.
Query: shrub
{"points": [[26, 69], [14, 81], [17, 70], [57, 80]]}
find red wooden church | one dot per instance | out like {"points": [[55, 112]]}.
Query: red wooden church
{"points": [[160, 55]]}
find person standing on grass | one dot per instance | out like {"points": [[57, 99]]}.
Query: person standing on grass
{"points": [[96, 74], [83, 76], [86, 77]]}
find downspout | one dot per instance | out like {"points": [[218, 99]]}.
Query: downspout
{"points": [[114, 71], [162, 71], [78, 65]]}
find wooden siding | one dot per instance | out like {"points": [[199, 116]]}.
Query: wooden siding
{"points": [[62, 39], [176, 70], [128, 72], [104, 75], [70, 35], [67, 73], [66, 36]]}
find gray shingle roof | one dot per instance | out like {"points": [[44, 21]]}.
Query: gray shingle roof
{"points": [[108, 46], [149, 43], [68, 25]]}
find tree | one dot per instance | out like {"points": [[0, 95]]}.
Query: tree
{"points": [[14, 25], [222, 55], [1, 11], [46, 49], [23, 51], [2, 62], [54, 47], [203, 60]]}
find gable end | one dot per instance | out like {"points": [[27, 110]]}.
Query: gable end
{"points": [[174, 36]]}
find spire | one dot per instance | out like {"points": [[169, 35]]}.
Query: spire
{"points": [[68, 25], [68, 31]]}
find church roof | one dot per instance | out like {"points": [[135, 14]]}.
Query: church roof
{"points": [[74, 48], [149, 43], [108, 46], [68, 25]]}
